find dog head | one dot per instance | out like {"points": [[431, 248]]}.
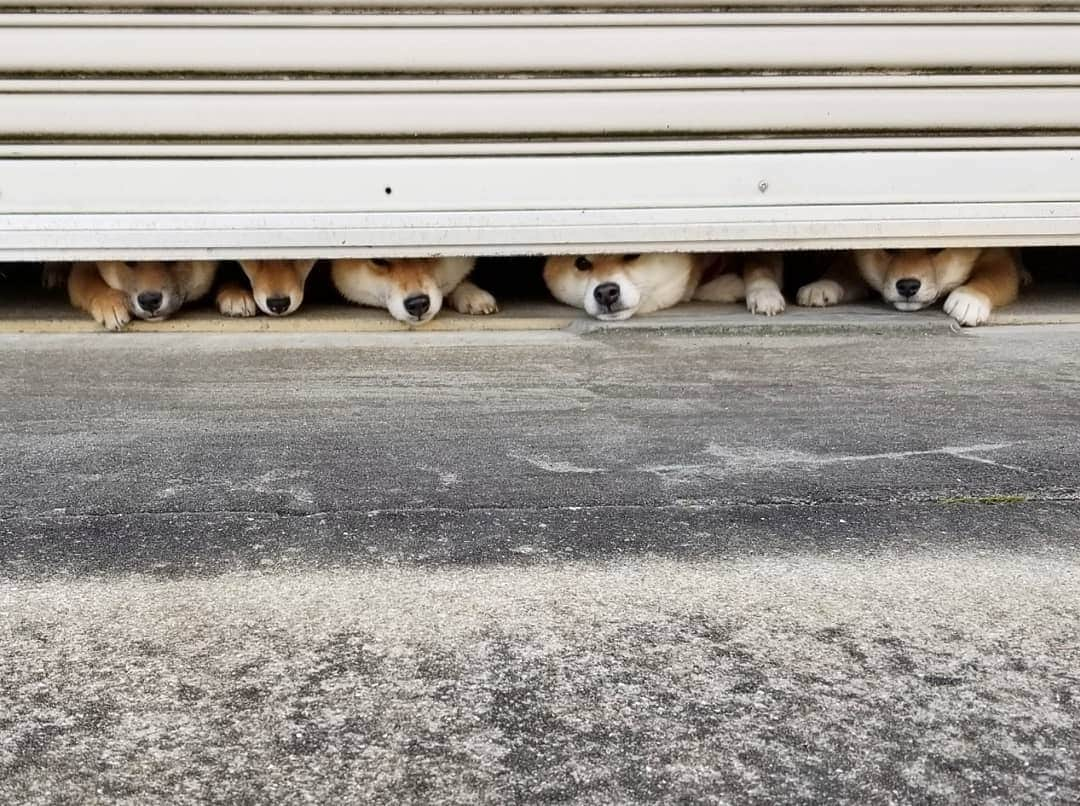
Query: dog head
{"points": [[911, 279], [412, 289], [154, 289], [615, 287], [277, 285]]}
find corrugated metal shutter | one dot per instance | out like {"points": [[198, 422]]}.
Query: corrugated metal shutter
{"points": [[179, 128]]}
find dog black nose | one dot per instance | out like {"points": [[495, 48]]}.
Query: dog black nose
{"points": [[150, 301], [417, 305], [278, 304], [908, 287], [607, 294]]}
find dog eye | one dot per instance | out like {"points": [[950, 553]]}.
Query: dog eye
{"points": [[630, 258], [130, 264], [384, 264], [583, 263]]}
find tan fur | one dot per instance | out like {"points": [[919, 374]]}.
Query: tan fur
{"points": [[764, 276], [233, 299], [396, 283], [277, 288], [110, 291], [616, 287], [994, 282], [841, 282], [973, 281]]}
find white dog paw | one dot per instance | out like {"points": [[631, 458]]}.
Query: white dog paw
{"points": [[111, 311], [236, 302], [968, 307], [725, 288], [765, 301], [820, 294], [473, 300]]}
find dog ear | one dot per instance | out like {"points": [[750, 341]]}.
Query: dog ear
{"points": [[250, 267], [953, 266], [304, 267], [873, 264]]}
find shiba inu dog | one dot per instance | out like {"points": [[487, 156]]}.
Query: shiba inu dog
{"points": [[975, 280], [615, 287], [114, 291], [277, 288], [412, 289]]}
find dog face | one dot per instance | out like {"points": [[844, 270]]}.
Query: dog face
{"points": [[277, 285], [615, 287], [412, 289], [911, 279], [154, 289]]}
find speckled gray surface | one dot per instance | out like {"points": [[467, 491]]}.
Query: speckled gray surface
{"points": [[615, 568], [915, 679]]}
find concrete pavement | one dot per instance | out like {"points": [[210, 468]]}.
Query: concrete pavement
{"points": [[799, 566]]}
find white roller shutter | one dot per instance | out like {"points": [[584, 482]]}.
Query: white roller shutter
{"points": [[181, 129]]}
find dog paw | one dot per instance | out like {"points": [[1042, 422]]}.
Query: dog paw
{"points": [[968, 307], [724, 289], [111, 311], [473, 300], [765, 301], [820, 294], [236, 302]]}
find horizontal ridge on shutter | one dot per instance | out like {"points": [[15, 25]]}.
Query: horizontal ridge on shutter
{"points": [[172, 128]]}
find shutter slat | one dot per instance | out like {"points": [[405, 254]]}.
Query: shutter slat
{"points": [[87, 209], [503, 115], [535, 43], [525, 127]]}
